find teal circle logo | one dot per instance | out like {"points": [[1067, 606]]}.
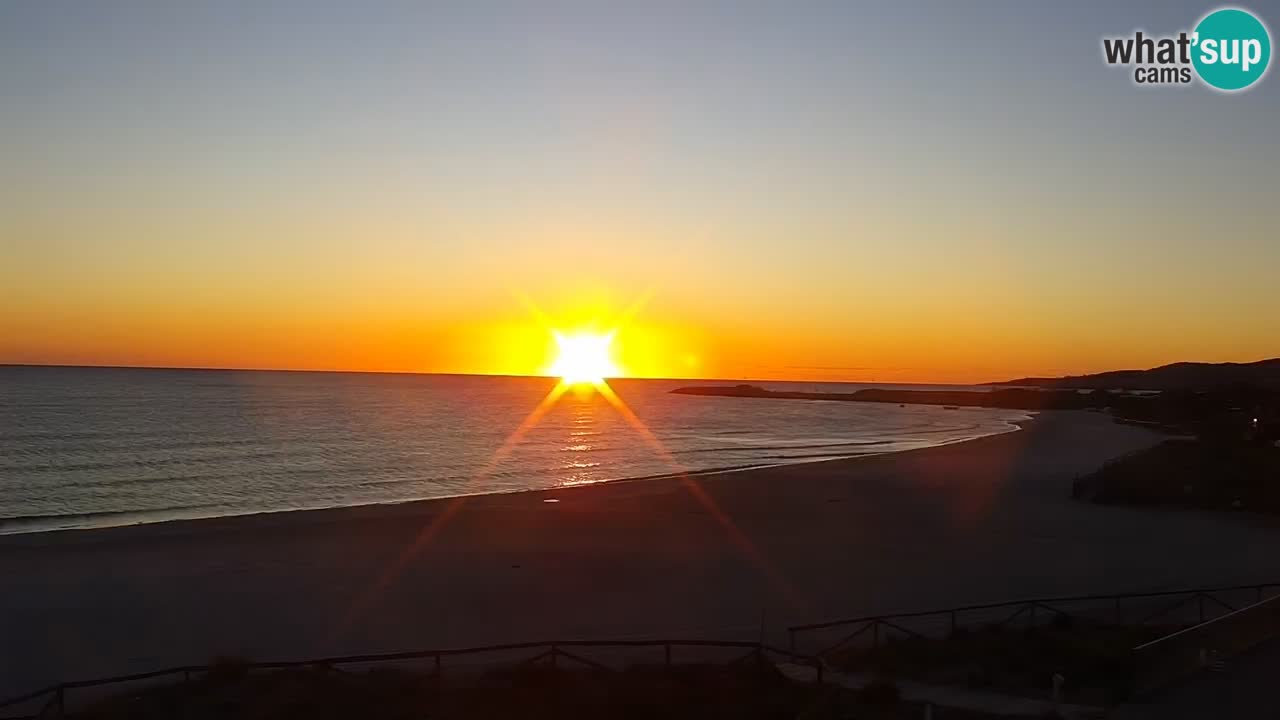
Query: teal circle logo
{"points": [[1231, 49]]}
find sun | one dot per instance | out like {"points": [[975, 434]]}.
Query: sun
{"points": [[584, 358]]}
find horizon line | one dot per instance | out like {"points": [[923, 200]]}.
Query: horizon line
{"points": [[456, 374]]}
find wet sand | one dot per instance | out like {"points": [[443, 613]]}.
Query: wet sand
{"points": [[712, 557]]}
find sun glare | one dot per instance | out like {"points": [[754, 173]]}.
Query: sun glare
{"points": [[584, 358]]}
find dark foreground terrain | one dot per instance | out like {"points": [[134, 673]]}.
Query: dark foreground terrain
{"points": [[1190, 473], [533, 692], [1091, 658]]}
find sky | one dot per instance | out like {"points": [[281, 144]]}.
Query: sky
{"points": [[894, 191]]}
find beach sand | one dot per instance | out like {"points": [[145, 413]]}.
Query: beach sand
{"points": [[985, 520]]}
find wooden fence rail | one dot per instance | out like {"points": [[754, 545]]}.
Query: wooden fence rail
{"points": [[1207, 602], [55, 696], [1168, 659]]}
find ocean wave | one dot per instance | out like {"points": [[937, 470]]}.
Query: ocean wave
{"points": [[345, 471], [37, 468], [147, 446], [763, 448], [96, 518]]}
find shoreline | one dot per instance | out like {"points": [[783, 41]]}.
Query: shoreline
{"points": [[7, 523], [724, 555]]}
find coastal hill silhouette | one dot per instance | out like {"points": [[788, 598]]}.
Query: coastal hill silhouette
{"points": [[1235, 399], [1176, 376]]}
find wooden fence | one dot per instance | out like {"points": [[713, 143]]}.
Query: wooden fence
{"points": [[52, 701], [1181, 608], [1201, 627], [1166, 660], [1228, 619]]}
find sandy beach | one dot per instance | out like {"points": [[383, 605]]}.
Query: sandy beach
{"points": [[985, 520]]}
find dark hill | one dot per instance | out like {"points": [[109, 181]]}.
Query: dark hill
{"points": [[1178, 376]]}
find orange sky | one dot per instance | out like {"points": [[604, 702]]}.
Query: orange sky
{"points": [[886, 300], [676, 333]]}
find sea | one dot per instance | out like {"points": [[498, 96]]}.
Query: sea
{"points": [[96, 447]]}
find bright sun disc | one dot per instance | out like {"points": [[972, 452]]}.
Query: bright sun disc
{"points": [[584, 358]]}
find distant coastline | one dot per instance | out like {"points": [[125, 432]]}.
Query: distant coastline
{"points": [[1004, 399], [1175, 376], [1182, 397]]}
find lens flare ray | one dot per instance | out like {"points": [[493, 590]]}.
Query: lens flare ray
{"points": [[583, 365]]}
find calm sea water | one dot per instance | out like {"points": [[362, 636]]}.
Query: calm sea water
{"points": [[83, 447]]}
